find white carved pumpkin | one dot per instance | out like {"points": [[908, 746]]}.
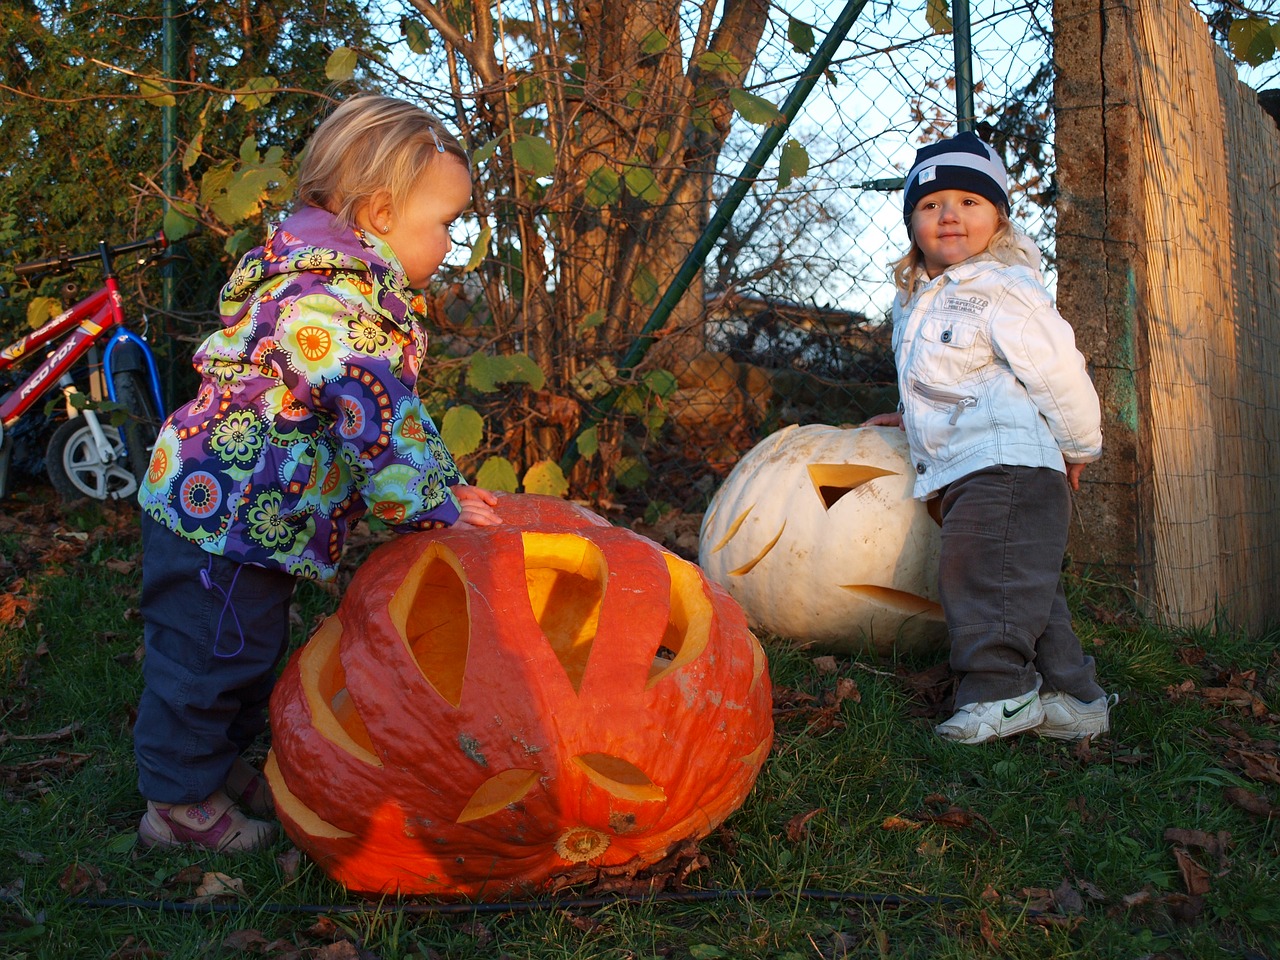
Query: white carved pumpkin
{"points": [[815, 533]]}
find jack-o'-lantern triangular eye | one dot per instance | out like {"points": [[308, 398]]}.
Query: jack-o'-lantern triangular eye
{"points": [[566, 576], [832, 481]]}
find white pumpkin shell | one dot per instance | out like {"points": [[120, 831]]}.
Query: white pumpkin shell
{"points": [[815, 533]]}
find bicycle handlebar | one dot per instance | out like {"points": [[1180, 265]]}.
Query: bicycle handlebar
{"points": [[62, 264]]}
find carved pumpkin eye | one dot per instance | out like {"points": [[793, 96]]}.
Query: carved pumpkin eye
{"points": [[490, 706], [816, 534]]}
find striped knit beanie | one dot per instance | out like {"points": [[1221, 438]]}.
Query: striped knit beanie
{"points": [[961, 163]]}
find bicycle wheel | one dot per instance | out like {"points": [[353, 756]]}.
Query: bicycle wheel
{"points": [[143, 423], [76, 469]]}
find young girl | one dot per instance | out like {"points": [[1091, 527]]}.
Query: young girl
{"points": [[306, 417], [1001, 418]]}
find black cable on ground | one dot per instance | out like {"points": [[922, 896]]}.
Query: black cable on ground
{"points": [[523, 906]]}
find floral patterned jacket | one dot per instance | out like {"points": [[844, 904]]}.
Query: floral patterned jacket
{"points": [[307, 414]]}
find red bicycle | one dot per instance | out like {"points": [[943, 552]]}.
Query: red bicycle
{"points": [[95, 453]]}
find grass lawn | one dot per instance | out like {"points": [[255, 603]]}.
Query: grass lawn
{"points": [[866, 835]]}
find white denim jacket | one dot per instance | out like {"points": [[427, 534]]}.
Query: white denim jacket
{"points": [[989, 373]]}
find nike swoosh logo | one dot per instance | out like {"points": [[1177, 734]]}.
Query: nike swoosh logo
{"points": [[1021, 707]]}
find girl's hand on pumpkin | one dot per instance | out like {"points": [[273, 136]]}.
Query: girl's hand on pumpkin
{"points": [[477, 506], [885, 420]]}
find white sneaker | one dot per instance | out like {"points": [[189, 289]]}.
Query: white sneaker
{"points": [[1066, 718], [980, 722]]}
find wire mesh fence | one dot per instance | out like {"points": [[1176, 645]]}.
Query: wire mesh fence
{"points": [[795, 327]]}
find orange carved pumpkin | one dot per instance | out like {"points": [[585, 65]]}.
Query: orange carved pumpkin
{"points": [[492, 707]]}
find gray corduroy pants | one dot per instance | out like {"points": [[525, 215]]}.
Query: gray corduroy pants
{"points": [[1004, 534]]}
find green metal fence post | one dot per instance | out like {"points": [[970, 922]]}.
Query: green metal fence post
{"points": [[962, 43], [701, 249]]}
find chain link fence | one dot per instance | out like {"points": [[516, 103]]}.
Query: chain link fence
{"points": [[796, 325]]}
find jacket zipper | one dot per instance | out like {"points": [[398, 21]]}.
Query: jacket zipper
{"points": [[961, 403]]}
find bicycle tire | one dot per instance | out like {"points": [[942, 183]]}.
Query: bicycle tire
{"points": [[143, 423], [76, 470]]}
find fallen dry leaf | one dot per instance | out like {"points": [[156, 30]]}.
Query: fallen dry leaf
{"points": [[899, 823], [245, 941], [215, 885], [1066, 900], [1215, 844], [797, 825], [1194, 877], [1039, 899], [1250, 802], [1141, 898], [988, 935], [1183, 907], [825, 664], [342, 950], [64, 733], [14, 610], [1236, 697], [79, 878]]}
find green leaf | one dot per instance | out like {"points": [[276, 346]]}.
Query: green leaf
{"points": [[192, 153], [592, 320], [240, 242], [341, 64], [462, 429], [243, 197], [534, 155], [603, 186], [596, 380], [41, 310], [642, 184], [718, 61], [546, 477], [629, 474], [938, 16], [794, 162], [479, 249], [251, 95], [156, 92], [485, 373], [249, 151], [529, 92], [644, 286], [754, 108], [655, 41], [705, 951], [800, 34], [484, 151], [589, 442], [1252, 40], [661, 382], [497, 473], [416, 34], [176, 224]]}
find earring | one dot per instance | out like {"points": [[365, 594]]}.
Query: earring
{"points": [[384, 228]]}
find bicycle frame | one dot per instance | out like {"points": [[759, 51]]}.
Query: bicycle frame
{"points": [[86, 321], [98, 318]]}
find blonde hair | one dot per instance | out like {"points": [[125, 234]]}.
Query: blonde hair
{"points": [[1005, 246], [369, 144]]}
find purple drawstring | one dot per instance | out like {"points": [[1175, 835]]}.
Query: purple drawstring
{"points": [[207, 582]]}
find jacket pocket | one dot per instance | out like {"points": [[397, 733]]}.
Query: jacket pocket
{"points": [[958, 402]]}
